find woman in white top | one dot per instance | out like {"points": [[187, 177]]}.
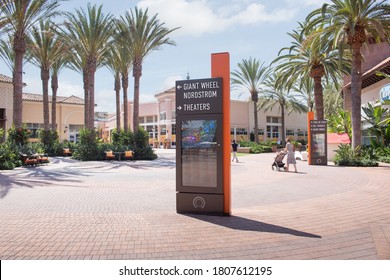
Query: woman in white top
{"points": [[290, 154]]}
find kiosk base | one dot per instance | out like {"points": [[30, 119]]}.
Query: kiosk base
{"points": [[201, 203]]}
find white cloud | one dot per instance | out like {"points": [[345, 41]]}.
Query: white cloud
{"points": [[67, 89], [169, 82], [199, 16], [307, 3]]}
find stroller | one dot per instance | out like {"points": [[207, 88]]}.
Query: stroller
{"points": [[278, 161]]}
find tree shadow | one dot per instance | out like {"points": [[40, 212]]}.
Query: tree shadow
{"points": [[38, 176], [240, 223]]}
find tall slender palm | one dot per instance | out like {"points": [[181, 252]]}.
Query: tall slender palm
{"points": [[310, 58], [112, 62], [19, 16], [250, 77], [56, 69], [355, 23], [125, 63], [275, 94], [88, 33], [44, 48], [144, 34]]}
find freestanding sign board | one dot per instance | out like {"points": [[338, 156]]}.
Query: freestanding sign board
{"points": [[199, 146], [318, 145]]}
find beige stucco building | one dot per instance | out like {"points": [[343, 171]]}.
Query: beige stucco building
{"points": [[159, 120], [6, 103], [70, 115], [70, 112]]}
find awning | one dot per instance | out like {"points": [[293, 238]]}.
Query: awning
{"points": [[336, 138]]}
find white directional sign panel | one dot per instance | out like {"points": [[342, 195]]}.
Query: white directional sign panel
{"points": [[203, 96]]}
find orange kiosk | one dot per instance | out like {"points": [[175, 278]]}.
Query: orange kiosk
{"points": [[203, 141]]}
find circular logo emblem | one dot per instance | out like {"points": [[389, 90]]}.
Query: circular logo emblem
{"points": [[199, 202]]}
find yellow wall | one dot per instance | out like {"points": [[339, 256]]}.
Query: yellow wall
{"points": [[67, 114]]}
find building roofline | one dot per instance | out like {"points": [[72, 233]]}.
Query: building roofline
{"points": [[370, 77], [35, 97]]}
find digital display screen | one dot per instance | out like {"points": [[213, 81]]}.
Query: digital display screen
{"points": [[199, 153]]}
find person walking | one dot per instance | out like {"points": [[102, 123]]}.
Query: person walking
{"points": [[290, 155], [234, 147]]}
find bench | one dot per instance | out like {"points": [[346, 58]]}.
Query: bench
{"points": [[28, 160], [66, 152], [244, 150], [129, 155], [109, 155]]}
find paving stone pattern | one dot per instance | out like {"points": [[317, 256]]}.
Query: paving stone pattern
{"points": [[126, 210]]}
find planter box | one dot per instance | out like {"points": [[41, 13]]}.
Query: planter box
{"points": [[244, 150]]}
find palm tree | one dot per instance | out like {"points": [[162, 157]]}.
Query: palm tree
{"points": [[355, 23], [310, 57], [88, 33], [305, 87], [56, 69], [112, 62], [44, 49], [144, 34], [251, 77], [275, 94], [333, 100], [125, 61], [19, 16], [7, 53]]}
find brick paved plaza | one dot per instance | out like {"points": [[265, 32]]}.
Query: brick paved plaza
{"points": [[126, 210]]}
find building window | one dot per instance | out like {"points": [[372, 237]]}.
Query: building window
{"points": [[34, 128], [163, 116], [241, 131], [290, 132], [2, 124], [302, 133], [149, 119], [173, 115], [273, 119], [272, 131], [261, 131], [173, 129]]}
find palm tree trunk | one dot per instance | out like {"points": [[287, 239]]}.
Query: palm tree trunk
{"points": [[256, 130], [86, 97], [54, 88], [91, 90], [45, 75], [282, 109], [318, 98], [356, 85], [118, 101], [137, 73], [20, 49], [125, 85]]}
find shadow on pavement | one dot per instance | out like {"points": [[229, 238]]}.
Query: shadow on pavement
{"points": [[240, 223]]}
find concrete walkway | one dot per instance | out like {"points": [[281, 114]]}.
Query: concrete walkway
{"points": [[126, 210]]}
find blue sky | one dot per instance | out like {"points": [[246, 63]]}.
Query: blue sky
{"points": [[244, 28]]}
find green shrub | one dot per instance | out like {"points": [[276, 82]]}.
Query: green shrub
{"points": [[256, 148], [347, 156], [50, 142], [385, 159], [87, 149], [8, 158], [19, 135], [141, 147]]}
